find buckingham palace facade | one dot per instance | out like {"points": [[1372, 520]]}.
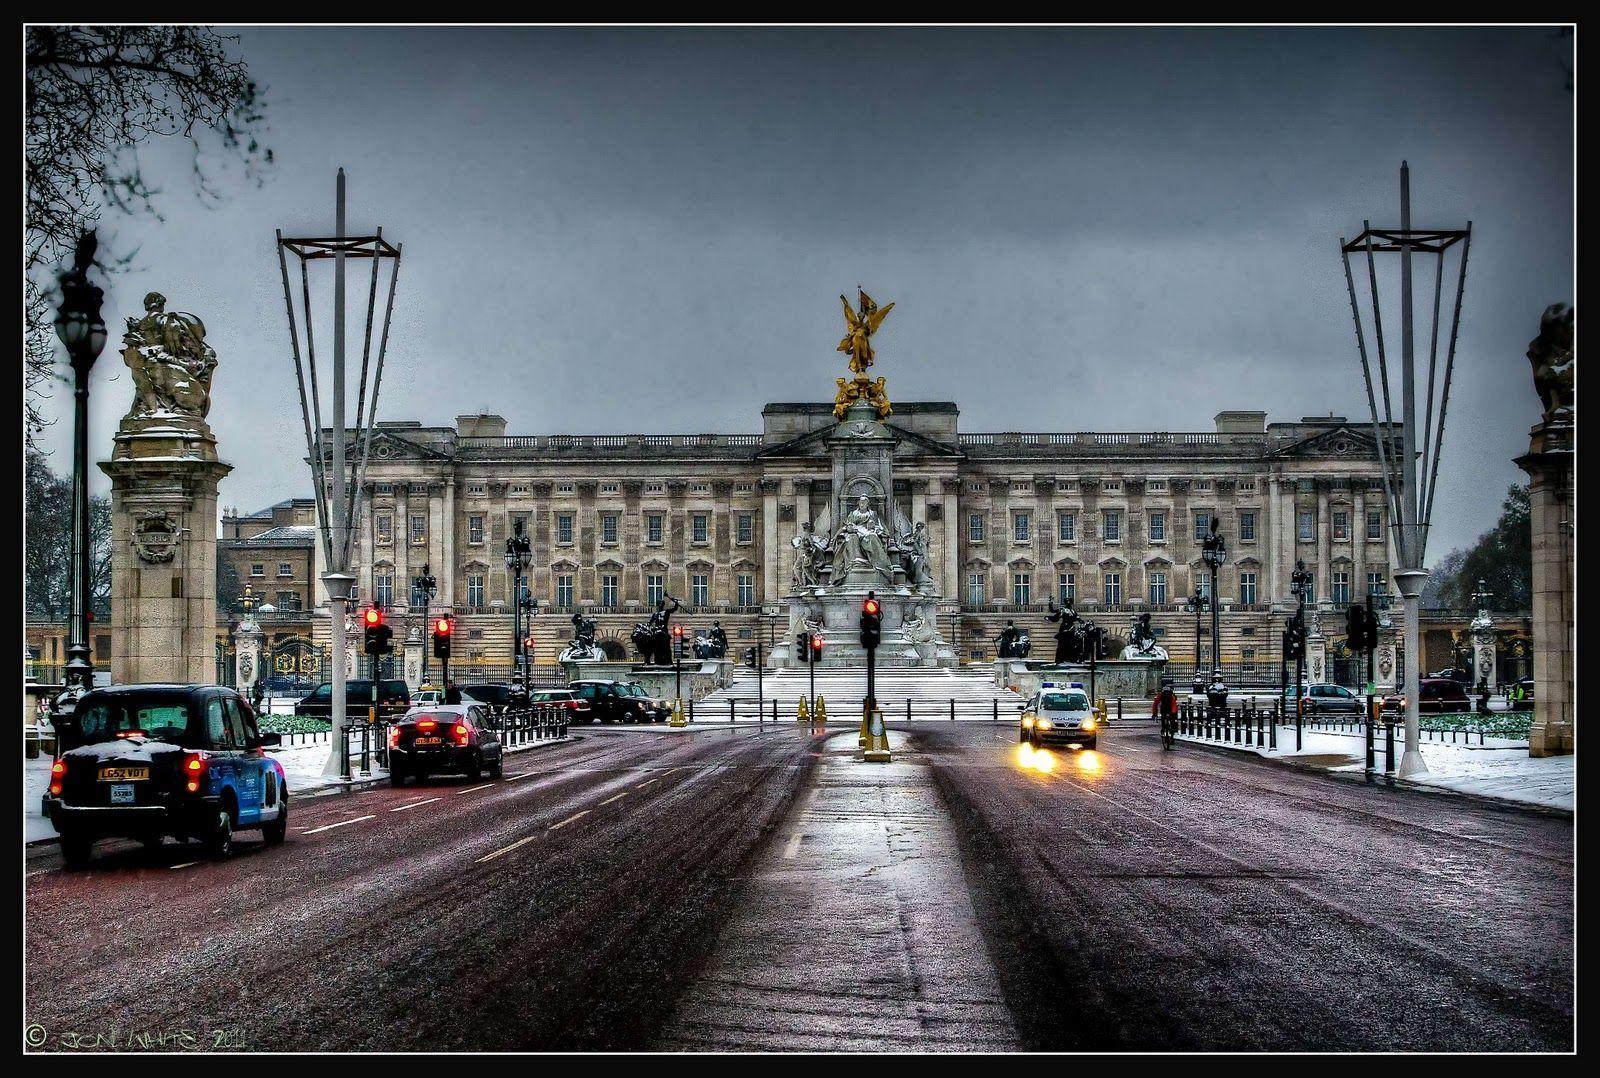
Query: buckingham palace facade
{"points": [[1110, 520]]}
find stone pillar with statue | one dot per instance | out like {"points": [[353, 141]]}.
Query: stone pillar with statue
{"points": [[164, 473], [1549, 463], [247, 646]]}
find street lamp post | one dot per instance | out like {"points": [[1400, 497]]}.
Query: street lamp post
{"points": [[83, 332], [1299, 587], [1196, 604], [530, 608], [518, 555], [1214, 551], [426, 586]]}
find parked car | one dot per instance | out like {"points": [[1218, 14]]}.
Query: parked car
{"points": [[457, 738], [578, 709], [1326, 699], [1457, 674], [619, 701], [148, 761], [1435, 696], [394, 699], [427, 697], [499, 697], [1058, 714]]}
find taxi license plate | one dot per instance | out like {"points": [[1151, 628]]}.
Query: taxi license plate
{"points": [[428, 741], [124, 774], [122, 794]]}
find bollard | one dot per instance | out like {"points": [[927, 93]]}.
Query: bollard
{"points": [[803, 713], [821, 714], [1371, 749], [908, 709], [1119, 709], [730, 712], [1388, 751], [877, 747], [952, 709], [678, 718], [994, 715]]}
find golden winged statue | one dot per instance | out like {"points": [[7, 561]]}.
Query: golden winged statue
{"points": [[860, 325]]}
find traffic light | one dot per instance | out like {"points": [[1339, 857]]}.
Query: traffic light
{"points": [[1369, 623], [376, 633], [871, 622], [816, 646], [1294, 642], [802, 641], [441, 638], [1355, 628], [677, 637], [750, 657]]}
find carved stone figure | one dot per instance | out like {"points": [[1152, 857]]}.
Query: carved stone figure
{"points": [[583, 645], [810, 554], [713, 645], [171, 364], [1142, 641], [155, 536], [1012, 643], [861, 542], [922, 635], [653, 638], [857, 344], [914, 556], [1554, 361], [1069, 633]]}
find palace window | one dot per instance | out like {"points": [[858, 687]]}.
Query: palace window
{"points": [[1112, 522], [700, 589], [419, 530], [475, 590], [519, 488], [975, 589], [258, 569], [1202, 524], [1376, 585], [1341, 587], [975, 487], [655, 588], [563, 488], [1158, 527], [747, 589], [1158, 589], [1067, 526], [285, 569], [1066, 486], [383, 488], [1374, 524], [746, 533], [288, 600], [1111, 486], [1247, 588], [1308, 525], [608, 589], [1247, 485], [383, 589], [654, 488], [563, 527], [608, 488], [1247, 661], [1341, 524], [1066, 588], [418, 597], [563, 590], [975, 527], [1021, 526], [475, 488], [1202, 583], [652, 527], [699, 528], [1113, 589], [699, 488], [1247, 527], [1022, 588], [1202, 484], [475, 529], [1156, 486], [385, 528], [743, 488], [1311, 588], [608, 528]]}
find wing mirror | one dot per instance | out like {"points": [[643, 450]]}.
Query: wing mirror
{"points": [[261, 741]]}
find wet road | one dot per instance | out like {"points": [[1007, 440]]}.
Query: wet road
{"points": [[759, 888], [1133, 898], [561, 907]]}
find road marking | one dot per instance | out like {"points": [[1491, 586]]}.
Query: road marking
{"points": [[524, 775], [414, 804], [185, 864], [506, 849], [471, 789], [569, 819], [341, 823], [793, 848], [618, 797], [642, 785]]}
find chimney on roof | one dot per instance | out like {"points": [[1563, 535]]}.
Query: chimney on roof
{"points": [[1242, 422]]}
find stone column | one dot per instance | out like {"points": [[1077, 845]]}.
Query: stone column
{"points": [[247, 655], [1383, 662], [1316, 650], [1358, 541], [1324, 566], [771, 585], [951, 554], [1484, 666], [415, 642], [1549, 463]]}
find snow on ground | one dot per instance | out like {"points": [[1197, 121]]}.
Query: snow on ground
{"points": [[1499, 768]]}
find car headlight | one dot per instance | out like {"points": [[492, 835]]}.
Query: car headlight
{"points": [[1087, 724], [1027, 722], [1044, 724]]}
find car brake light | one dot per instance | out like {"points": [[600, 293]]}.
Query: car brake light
{"points": [[194, 765], [460, 732], [58, 771], [394, 736], [426, 724]]}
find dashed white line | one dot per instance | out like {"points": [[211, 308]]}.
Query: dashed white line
{"points": [[506, 849], [414, 804], [569, 819], [185, 864], [642, 785], [793, 848], [475, 789], [618, 797], [341, 823]]}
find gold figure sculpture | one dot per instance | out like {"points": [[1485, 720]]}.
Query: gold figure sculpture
{"points": [[860, 325]]}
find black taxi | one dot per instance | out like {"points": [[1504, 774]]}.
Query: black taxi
{"points": [[148, 761]]}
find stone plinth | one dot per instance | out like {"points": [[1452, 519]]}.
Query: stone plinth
{"points": [[698, 677], [1549, 463], [1138, 679], [903, 642], [163, 554]]}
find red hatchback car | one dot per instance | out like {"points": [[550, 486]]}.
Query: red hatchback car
{"points": [[1437, 696]]}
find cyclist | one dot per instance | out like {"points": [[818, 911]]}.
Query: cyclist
{"points": [[1165, 708]]}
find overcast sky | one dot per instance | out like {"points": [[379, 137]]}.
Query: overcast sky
{"points": [[1083, 229]]}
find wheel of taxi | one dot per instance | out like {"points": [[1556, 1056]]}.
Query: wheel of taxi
{"points": [[278, 829], [75, 850], [219, 843]]}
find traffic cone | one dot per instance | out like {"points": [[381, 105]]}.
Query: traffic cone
{"points": [[803, 715], [678, 718], [822, 711], [877, 750]]}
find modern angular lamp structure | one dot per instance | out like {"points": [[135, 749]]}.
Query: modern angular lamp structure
{"points": [[1410, 470]]}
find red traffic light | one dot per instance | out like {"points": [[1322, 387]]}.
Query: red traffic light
{"points": [[677, 630], [373, 616], [870, 606], [816, 642], [442, 626]]}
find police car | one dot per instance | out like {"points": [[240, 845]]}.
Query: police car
{"points": [[146, 761], [1059, 714]]}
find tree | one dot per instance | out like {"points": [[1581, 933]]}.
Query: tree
{"points": [[1502, 558], [47, 553], [94, 95]]}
